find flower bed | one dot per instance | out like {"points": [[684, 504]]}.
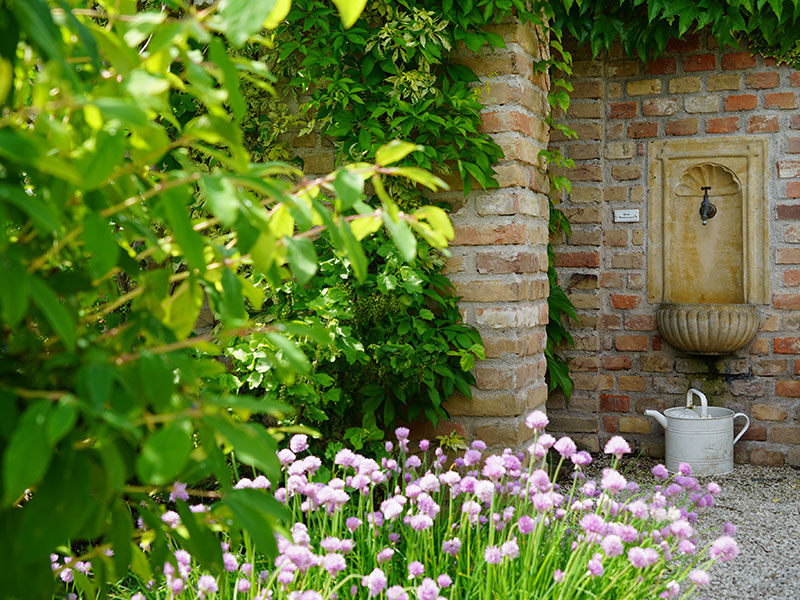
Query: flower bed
{"points": [[478, 527]]}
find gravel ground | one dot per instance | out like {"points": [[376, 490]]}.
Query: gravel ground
{"points": [[764, 504]]}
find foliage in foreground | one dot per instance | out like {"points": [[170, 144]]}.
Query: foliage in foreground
{"points": [[114, 234], [480, 527]]}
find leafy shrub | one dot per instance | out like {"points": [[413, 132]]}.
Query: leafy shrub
{"points": [[481, 527], [395, 348]]}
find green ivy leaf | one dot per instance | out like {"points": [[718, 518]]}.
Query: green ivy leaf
{"points": [[302, 258], [395, 151], [165, 453], [240, 19]]}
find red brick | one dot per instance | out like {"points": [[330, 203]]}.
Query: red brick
{"points": [[519, 262], [797, 366], [793, 145], [587, 89], [787, 389], [794, 79], [788, 169], [795, 122], [741, 102], [761, 81], [623, 110], [611, 403], [610, 424], [632, 343], [789, 211], [484, 235], [659, 107], [689, 43], [767, 458], [643, 129], [617, 363], [699, 62], [788, 256], [793, 189], [762, 125], [791, 278], [787, 301], [625, 301], [682, 127], [661, 66], [781, 100], [658, 343], [787, 345], [577, 259], [640, 323], [609, 322], [737, 61], [722, 125]]}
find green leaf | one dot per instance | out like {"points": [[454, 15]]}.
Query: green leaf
{"points": [[28, 453], [101, 243], [438, 220], [183, 307], [402, 236], [103, 155], [232, 309], [173, 203], [221, 198], [230, 78], [120, 536], [302, 258], [14, 298], [251, 443], [38, 212], [349, 11], [240, 19], [202, 544], [349, 187], [60, 319], [165, 453], [60, 421], [257, 513], [365, 226], [394, 151], [297, 361], [421, 176], [156, 380]]}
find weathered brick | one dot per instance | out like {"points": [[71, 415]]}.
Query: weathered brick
{"points": [[615, 193], [616, 238], [795, 122], [640, 322], [788, 211], [768, 412], [611, 280], [584, 151], [503, 434], [623, 110], [571, 424], [797, 366], [632, 383], [619, 150], [587, 89], [318, 163], [614, 403], [688, 43], [760, 346], [584, 363], [643, 87], [736, 61], [754, 433], [699, 62], [632, 343], [787, 389], [577, 259], [516, 262], [728, 81], [584, 301], [454, 264], [580, 237], [643, 129], [785, 435], [483, 290], [794, 79], [793, 147], [584, 194], [484, 235], [787, 301], [781, 100], [626, 172], [659, 107], [634, 425], [625, 301], [609, 424], [787, 256], [682, 127], [485, 403], [761, 81], [656, 364], [617, 363], [791, 278], [684, 85], [610, 322], [722, 125], [587, 214], [622, 68], [587, 68], [661, 66], [788, 169], [767, 458], [762, 124], [766, 367], [701, 104], [741, 102], [627, 261]]}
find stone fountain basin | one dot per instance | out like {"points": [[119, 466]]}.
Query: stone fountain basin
{"points": [[708, 328]]}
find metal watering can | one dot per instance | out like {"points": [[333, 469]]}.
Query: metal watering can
{"points": [[701, 437]]}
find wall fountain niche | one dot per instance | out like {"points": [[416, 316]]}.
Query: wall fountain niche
{"points": [[708, 241]]}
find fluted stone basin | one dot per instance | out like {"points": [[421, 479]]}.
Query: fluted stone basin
{"points": [[708, 328]]}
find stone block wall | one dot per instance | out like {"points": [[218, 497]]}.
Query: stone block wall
{"points": [[620, 365]]}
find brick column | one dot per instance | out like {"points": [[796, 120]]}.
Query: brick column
{"points": [[499, 256]]}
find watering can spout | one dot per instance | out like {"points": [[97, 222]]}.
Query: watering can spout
{"points": [[662, 420]]}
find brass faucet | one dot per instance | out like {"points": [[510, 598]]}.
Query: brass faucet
{"points": [[707, 210]]}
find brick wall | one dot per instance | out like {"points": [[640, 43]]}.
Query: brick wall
{"points": [[620, 365]]}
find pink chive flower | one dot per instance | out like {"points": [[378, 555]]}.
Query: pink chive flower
{"points": [[286, 457], [353, 523], [452, 546], [686, 547], [558, 575], [401, 433], [178, 492], [478, 445], [537, 420], [396, 592], [444, 581], [672, 590], [685, 469], [494, 468], [206, 585], [424, 445], [724, 548], [243, 586], [415, 569], [595, 565], [246, 569], [565, 447], [699, 577], [261, 483], [472, 457], [510, 549], [729, 528], [384, 555], [334, 564], [617, 446], [427, 590], [526, 524], [375, 582], [229, 562], [492, 555], [660, 471], [171, 518], [388, 446], [612, 481], [642, 557], [612, 545], [713, 488], [298, 443], [581, 459]]}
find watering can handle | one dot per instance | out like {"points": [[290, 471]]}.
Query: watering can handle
{"points": [[745, 428], [703, 401]]}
